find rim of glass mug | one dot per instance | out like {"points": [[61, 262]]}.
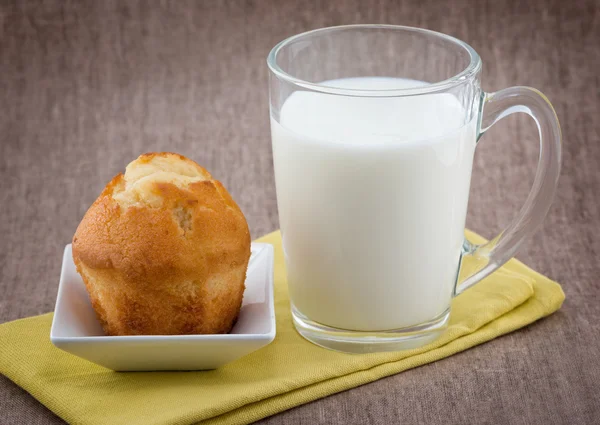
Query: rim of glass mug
{"points": [[465, 75]]}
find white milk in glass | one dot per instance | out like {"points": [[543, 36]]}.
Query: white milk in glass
{"points": [[372, 196]]}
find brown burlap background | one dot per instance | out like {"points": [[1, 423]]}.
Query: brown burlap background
{"points": [[87, 86]]}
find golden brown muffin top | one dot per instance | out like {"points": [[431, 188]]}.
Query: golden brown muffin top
{"points": [[165, 214]]}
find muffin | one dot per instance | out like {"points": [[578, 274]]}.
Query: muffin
{"points": [[164, 250]]}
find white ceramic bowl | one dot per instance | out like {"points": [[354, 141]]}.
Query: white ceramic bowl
{"points": [[76, 330]]}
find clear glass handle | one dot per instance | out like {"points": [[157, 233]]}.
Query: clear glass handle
{"points": [[486, 258]]}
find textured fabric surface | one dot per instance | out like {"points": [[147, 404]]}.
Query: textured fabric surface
{"points": [[289, 372], [86, 86]]}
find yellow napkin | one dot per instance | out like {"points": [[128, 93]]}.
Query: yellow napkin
{"points": [[287, 373]]}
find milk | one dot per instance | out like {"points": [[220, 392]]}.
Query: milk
{"points": [[372, 196]]}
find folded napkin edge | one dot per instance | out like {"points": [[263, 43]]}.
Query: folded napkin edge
{"points": [[299, 396]]}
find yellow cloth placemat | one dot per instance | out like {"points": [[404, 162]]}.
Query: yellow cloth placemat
{"points": [[287, 373]]}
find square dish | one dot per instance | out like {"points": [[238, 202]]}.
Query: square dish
{"points": [[76, 330]]}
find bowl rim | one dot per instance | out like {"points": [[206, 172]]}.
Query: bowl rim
{"points": [[263, 250]]}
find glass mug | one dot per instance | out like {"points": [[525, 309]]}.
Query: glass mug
{"points": [[374, 128]]}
